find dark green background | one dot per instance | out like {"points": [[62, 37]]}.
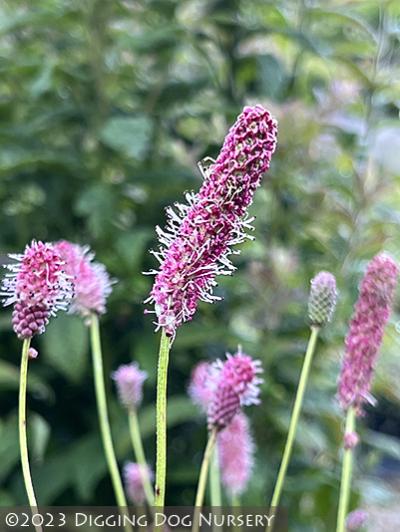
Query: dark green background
{"points": [[105, 109]]}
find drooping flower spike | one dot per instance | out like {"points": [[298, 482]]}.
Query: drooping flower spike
{"points": [[236, 454], [322, 299], [92, 283], [38, 286], [366, 330], [129, 381], [133, 476], [199, 236]]}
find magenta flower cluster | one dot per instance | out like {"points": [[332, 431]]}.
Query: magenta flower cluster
{"points": [[91, 281], [133, 477], [129, 380], [199, 236], [37, 286], [365, 333]]}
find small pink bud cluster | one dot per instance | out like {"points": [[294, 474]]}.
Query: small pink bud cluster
{"points": [[356, 520], [351, 440], [129, 381], [91, 280], [133, 476], [199, 236], [236, 454], [366, 330], [37, 286], [222, 388]]}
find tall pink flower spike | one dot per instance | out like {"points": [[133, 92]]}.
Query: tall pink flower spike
{"points": [[37, 286], [129, 380], [92, 282], [236, 454], [199, 235], [366, 330]]}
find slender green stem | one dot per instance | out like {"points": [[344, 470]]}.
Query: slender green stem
{"points": [[295, 416], [347, 467], [201, 487], [235, 503], [161, 420], [102, 410], [23, 441], [139, 454], [215, 481]]}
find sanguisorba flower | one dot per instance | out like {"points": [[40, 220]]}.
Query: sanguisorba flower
{"points": [[129, 380], [199, 235], [38, 286], [322, 299], [364, 338], [236, 454], [201, 387], [133, 476], [92, 283]]}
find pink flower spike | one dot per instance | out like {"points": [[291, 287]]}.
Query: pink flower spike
{"points": [[242, 371], [236, 454], [202, 384], [225, 404], [351, 440], [37, 286], [356, 520], [92, 282], [364, 338], [199, 235], [129, 380], [133, 475]]}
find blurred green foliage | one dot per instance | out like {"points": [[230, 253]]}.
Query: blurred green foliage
{"points": [[105, 109]]}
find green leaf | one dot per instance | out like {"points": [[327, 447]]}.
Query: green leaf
{"points": [[65, 346], [128, 135], [39, 435], [9, 380]]}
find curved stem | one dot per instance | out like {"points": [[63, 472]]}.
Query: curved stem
{"points": [[137, 444], [345, 485], [102, 410], [161, 421], [201, 487], [215, 481], [23, 440], [295, 416]]}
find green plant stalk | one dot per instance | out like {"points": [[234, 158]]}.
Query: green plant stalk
{"points": [[98, 372], [137, 444], [215, 480], [23, 440], [201, 487], [235, 503], [295, 416], [347, 468], [161, 421]]}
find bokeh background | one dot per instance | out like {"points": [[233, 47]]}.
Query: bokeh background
{"points": [[105, 109]]}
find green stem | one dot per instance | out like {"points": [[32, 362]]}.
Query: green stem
{"points": [[215, 481], [23, 441], [295, 416], [201, 487], [161, 421], [345, 485], [139, 454], [235, 503], [102, 410]]}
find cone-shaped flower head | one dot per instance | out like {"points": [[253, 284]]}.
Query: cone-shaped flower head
{"points": [[37, 287], [129, 381], [356, 519], [199, 236], [91, 280], [201, 387], [322, 299], [236, 454], [133, 477], [235, 383], [366, 330]]}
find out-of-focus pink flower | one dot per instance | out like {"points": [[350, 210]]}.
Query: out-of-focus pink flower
{"points": [[202, 385], [236, 454], [129, 381], [37, 287], [356, 519], [241, 372], [366, 330], [91, 280], [351, 439], [322, 299], [199, 236], [133, 476]]}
